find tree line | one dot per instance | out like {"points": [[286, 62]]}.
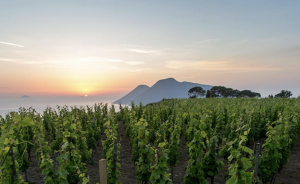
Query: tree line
{"points": [[224, 92], [282, 94]]}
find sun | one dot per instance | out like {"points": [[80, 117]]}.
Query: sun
{"points": [[85, 95]]}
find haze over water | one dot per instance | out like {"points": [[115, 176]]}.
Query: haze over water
{"points": [[40, 103]]}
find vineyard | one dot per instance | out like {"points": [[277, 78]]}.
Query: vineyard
{"points": [[191, 141]]}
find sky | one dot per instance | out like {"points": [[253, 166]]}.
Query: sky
{"points": [[63, 47]]}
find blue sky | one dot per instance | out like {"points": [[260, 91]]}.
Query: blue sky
{"points": [[96, 47]]}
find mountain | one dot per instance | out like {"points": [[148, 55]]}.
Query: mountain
{"points": [[165, 88], [132, 95]]}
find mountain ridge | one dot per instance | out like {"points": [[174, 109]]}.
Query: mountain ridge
{"points": [[132, 94], [163, 88]]}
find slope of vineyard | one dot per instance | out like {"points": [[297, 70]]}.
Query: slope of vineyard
{"points": [[174, 141]]}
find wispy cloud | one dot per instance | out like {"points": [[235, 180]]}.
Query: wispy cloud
{"points": [[207, 43], [203, 65], [210, 41], [223, 66], [141, 51], [99, 59], [134, 62], [190, 76], [7, 59], [31, 62], [140, 69], [16, 61], [12, 44]]}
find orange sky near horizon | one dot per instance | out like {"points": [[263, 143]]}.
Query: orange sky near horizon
{"points": [[52, 82], [54, 79]]}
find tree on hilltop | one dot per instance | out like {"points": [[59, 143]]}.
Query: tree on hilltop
{"points": [[218, 91], [248, 93], [222, 91], [196, 92], [208, 94], [284, 94]]}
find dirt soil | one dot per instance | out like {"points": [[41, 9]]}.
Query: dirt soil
{"points": [[179, 170], [289, 175], [128, 168], [291, 172], [34, 172], [93, 167]]}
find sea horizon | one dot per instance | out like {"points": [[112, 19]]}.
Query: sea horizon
{"points": [[40, 103]]}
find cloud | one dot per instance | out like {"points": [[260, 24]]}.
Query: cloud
{"points": [[6, 59], [20, 61], [99, 59], [12, 44], [209, 41], [141, 69], [140, 51], [31, 62], [223, 66], [203, 65], [134, 62]]}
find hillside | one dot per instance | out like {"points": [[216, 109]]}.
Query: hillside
{"points": [[132, 95], [165, 88]]}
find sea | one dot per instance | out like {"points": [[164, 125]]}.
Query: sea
{"points": [[9, 104]]}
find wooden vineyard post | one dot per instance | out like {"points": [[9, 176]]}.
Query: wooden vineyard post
{"points": [[273, 178], [40, 143], [13, 166], [291, 131], [41, 147], [160, 124], [115, 156], [214, 150], [102, 171], [256, 162]]}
